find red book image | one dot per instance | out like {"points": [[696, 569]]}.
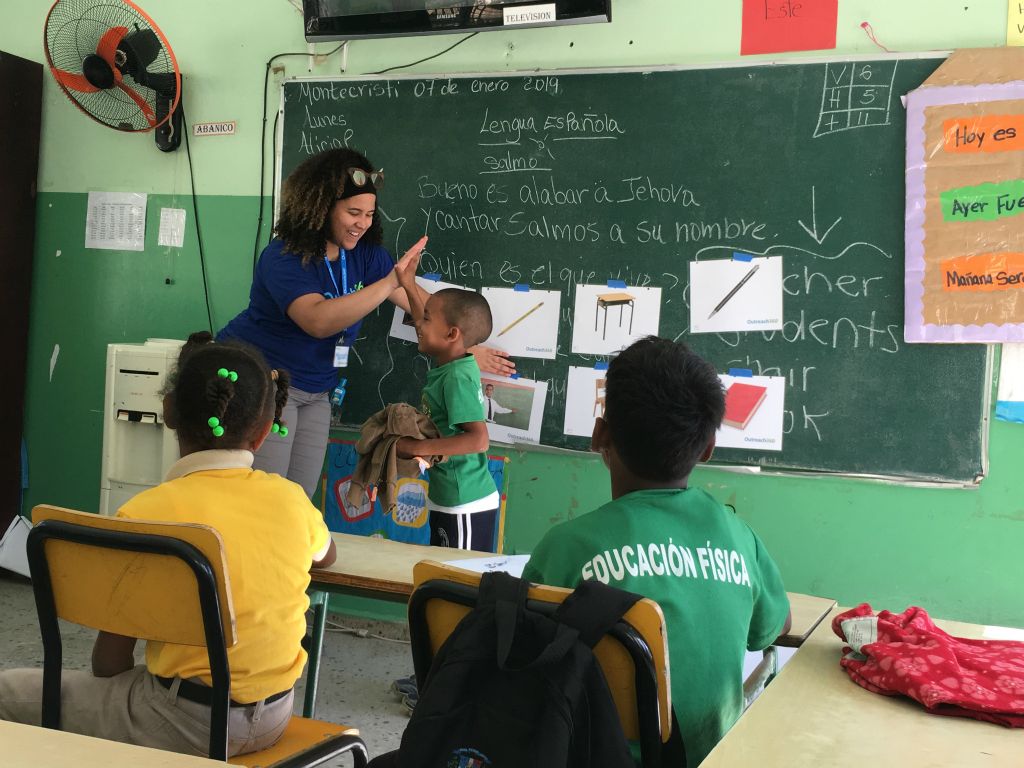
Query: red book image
{"points": [[741, 403]]}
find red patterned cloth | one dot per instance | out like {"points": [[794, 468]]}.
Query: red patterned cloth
{"points": [[906, 654]]}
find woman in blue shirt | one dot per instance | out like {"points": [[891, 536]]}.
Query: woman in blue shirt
{"points": [[324, 271]]}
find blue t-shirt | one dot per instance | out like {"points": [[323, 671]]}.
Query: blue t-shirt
{"points": [[280, 279]]}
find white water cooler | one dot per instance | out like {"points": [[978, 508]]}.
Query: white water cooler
{"points": [[138, 448]]}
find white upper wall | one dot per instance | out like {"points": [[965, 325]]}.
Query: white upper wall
{"points": [[222, 47]]}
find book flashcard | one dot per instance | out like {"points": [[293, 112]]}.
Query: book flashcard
{"points": [[524, 322], [741, 403], [513, 408], [739, 294], [608, 319], [402, 326], [584, 400], [753, 412]]}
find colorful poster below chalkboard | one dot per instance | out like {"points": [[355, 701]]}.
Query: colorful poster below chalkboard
{"points": [[408, 523]]}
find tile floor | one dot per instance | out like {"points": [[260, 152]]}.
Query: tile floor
{"points": [[355, 672]]}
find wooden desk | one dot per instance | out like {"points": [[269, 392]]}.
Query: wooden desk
{"points": [[812, 714], [606, 300], [379, 568], [382, 569], [26, 746]]}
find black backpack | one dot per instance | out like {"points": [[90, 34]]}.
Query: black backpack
{"points": [[514, 688]]}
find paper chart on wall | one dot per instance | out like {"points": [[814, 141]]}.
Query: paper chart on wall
{"points": [[739, 294], [754, 410], [402, 326], [584, 399], [116, 221], [525, 322], [608, 318], [513, 408]]}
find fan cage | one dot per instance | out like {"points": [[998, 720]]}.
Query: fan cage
{"points": [[74, 30]]}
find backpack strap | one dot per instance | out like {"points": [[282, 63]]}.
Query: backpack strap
{"points": [[593, 608], [507, 594]]}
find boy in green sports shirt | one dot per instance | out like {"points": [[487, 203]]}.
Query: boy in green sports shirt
{"points": [[719, 589], [462, 499]]}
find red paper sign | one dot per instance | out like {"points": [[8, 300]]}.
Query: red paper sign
{"points": [[774, 26]]}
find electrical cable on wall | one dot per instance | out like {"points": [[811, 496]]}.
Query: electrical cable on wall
{"points": [[195, 214], [428, 58]]}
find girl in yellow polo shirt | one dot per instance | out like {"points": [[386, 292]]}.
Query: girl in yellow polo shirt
{"points": [[223, 402]]}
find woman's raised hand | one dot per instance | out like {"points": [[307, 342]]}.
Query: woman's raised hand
{"points": [[405, 269]]}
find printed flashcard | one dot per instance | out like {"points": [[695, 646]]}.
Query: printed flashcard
{"points": [[513, 408], [584, 399], [743, 293], [525, 321], [609, 318], [753, 412], [402, 326]]}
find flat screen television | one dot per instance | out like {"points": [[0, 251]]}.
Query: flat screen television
{"points": [[348, 19]]}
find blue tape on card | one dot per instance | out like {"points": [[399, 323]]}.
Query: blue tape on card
{"points": [[600, 365], [514, 376], [432, 276], [522, 287], [616, 283], [741, 372], [739, 256]]}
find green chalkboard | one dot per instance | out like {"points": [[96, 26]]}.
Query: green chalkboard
{"points": [[555, 180]]}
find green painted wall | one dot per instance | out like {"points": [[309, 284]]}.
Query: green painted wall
{"points": [[955, 552]]}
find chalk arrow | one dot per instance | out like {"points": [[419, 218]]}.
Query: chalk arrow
{"points": [[813, 231]]}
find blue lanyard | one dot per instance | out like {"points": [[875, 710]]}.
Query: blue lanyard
{"points": [[344, 275]]}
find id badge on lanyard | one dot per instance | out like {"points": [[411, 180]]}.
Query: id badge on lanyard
{"points": [[342, 349], [341, 354]]}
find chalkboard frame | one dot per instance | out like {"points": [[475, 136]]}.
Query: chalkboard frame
{"points": [[927, 479]]}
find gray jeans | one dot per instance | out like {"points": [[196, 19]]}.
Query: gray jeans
{"points": [[134, 708], [299, 456]]}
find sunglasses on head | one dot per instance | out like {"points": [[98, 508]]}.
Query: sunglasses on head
{"points": [[360, 177]]}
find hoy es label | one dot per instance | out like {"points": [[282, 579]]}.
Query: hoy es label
{"points": [[965, 137]]}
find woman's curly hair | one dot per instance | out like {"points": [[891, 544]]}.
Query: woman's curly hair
{"points": [[308, 195]]}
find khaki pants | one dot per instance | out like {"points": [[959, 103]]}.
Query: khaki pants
{"points": [[134, 708]]}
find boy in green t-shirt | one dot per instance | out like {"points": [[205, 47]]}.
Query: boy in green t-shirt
{"points": [[717, 586], [462, 499]]}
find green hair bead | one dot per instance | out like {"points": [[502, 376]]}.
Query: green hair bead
{"points": [[233, 375], [222, 372], [213, 421], [218, 431], [284, 431]]}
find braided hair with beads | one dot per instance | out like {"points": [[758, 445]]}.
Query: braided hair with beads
{"points": [[223, 394]]}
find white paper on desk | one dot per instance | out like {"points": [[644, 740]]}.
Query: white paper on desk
{"points": [[116, 221], [172, 227], [13, 546], [511, 564]]}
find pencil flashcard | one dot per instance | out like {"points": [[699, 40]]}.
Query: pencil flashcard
{"points": [[754, 410], [524, 321], [743, 293], [610, 317]]}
